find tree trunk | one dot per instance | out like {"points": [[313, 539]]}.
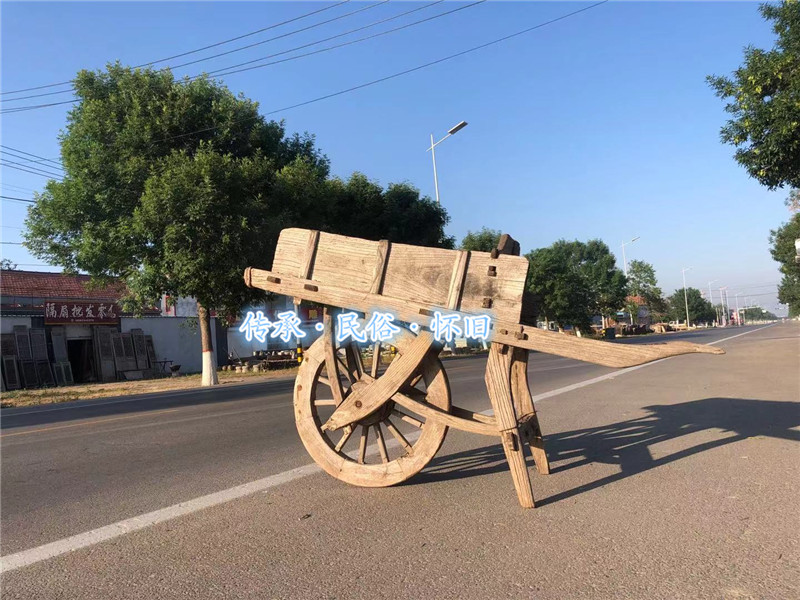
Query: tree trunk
{"points": [[209, 361]]}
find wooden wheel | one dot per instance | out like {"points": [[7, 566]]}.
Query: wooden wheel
{"points": [[405, 442]]}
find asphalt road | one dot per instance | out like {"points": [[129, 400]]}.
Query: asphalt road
{"points": [[648, 483]]}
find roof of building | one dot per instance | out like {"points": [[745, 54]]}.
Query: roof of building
{"points": [[40, 284]]}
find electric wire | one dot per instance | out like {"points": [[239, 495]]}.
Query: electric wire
{"points": [[160, 60], [233, 69], [399, 73]]}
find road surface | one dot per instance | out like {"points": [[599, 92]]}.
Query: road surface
{"points": [[678, 479]]}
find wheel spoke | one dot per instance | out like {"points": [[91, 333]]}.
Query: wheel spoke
{"points": [[345, 368], [381, 442], [376, 359], [362, 446], [346, 433], [398, 436], [407, 418], [325, 402], [353, 353]]}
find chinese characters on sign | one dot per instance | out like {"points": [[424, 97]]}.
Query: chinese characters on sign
{"points": [[257, 326], [57, 312], [379, 328]]}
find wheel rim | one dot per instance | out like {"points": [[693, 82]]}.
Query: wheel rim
{"points": [[405, 441]]}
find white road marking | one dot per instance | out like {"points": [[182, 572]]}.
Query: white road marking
{"points": [[109, 532]]}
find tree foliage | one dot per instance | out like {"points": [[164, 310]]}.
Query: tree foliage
{"points": [[763, 98], [783, 251], [642, 283], [700, 309], [484, 240], [571, 282], [177, 186]]}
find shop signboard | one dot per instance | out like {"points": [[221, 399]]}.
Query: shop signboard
{"points": [[58, 312]]}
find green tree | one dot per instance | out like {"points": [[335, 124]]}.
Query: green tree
{"points": [[642, 283], [176, 187], [763, 97], [783, 251], [361, 207], [571, 282], [700, 309], [7, 265], [484, 240]]}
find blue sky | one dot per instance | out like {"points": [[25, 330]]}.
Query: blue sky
{"points": [[597, 126]]}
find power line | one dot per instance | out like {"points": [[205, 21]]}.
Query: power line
{"points": [[36, 170], [4, 164], [14, 198], [160, 60], [233, 69], [400, 73], [17, 188], [225, 71], [12, 243], [213, 56], [374, 81], [31, 154], [29, 160]]}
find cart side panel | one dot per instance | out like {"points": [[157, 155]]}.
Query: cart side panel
{"points": [[412, 273], [339, 260], [504, 288], [418, 273]]}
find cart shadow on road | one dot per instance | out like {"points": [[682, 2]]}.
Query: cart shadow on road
{"points": [[627, 443]]}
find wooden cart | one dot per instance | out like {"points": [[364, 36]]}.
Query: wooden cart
{"points": [[341, 404]]}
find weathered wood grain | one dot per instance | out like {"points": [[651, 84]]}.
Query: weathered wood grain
{"points": [[531, 338]]}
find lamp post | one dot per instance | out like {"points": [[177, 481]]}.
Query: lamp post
{"points": [[452, 131], [685, 296], [624, 261], [738, 315], [711, 297]]}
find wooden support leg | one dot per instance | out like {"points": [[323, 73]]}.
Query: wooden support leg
{"points": [[526, 413], [498, 384]]}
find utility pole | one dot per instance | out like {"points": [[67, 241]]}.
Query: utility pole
{"points": [[738, 315], [686, 296], [722, 306], [711, 298]]}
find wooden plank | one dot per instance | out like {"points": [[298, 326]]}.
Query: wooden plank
{"points": [[338, 259], [419, 273], [457, 280], [381, 442], [594, 351], [523, 404], [412, 273], [11, 373], [379, 272], [364, 400], [309, 254], [498, 384], [38, 339], [331, 366]]}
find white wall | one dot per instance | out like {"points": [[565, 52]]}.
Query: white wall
{"points": [[7, 323], [173, 339]]}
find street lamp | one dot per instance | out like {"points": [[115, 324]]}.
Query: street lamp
{"points": [[685, 296], [624, 261], [711, 297], [452, 131]]}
